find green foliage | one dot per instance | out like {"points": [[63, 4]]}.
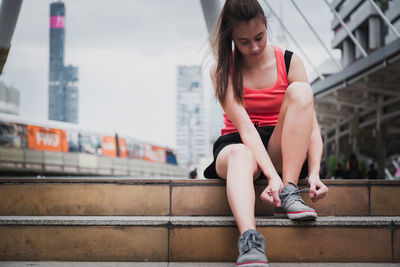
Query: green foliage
{"points": [[345, 158]]}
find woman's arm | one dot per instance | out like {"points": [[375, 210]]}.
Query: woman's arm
{"points": [[250, 137], [317, 189], [314, 153], [315, 147]]}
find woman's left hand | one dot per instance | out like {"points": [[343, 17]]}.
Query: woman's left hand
{"points": [[317, 189]]}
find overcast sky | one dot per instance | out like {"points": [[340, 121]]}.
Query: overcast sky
{"points": [[127, 52]]}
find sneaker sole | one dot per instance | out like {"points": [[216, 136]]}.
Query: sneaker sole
{"points": [[297, 216], [253, 264]]}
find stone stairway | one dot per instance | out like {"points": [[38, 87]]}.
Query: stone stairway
{"points": [[181, 220], [180, 264]]}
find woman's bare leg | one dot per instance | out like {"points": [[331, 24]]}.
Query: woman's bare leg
{"points": [[291, 137], [236, 164]]}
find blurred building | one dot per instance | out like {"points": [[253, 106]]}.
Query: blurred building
{"points": [[63, 81], [216, 121], [358, 107], [190, 116], [9, 99], [363, 20]]}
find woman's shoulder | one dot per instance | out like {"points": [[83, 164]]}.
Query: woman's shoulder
{"points": [[283, 51]]}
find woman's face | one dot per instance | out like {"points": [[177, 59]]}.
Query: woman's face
{"points": [[250, 37]]}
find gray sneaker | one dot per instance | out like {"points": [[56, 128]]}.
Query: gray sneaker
{"points": [[293, 206], [252, 250]]}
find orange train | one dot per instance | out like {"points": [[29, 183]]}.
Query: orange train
{"points": [[65, 137]]}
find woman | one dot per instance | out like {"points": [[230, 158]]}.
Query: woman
{"points": [[270, 125]]}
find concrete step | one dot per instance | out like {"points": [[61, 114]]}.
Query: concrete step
{"points": [[177, 197], [183, 264], [195, 239]]}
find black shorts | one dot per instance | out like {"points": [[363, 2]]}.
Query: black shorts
{"points": [[265, 133]]}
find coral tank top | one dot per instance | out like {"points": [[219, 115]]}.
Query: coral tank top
{"points": [[263, 105]]}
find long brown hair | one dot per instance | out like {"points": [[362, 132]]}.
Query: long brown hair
{"points": [[233, 13]]}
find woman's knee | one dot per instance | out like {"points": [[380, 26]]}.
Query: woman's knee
{"points": [[301, 94], [241, 154]]}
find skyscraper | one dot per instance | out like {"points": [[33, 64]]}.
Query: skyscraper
{"points": [[63, 81], [70, 83], [9, 99], [190, 116]]}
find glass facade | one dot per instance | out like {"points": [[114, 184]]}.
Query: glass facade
{"points": [[190, 120]]}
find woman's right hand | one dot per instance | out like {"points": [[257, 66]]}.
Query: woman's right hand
{"points": [[271, 193]]}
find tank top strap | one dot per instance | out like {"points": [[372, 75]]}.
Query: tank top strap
{"points": [[281, 68]]}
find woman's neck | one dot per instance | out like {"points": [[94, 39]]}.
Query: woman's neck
{"points": [[261, 61]]}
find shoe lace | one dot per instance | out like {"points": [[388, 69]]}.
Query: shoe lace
{"points": [[294, 195], [251, 241]]}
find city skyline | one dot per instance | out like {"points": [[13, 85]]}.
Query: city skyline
{"points": [[127, 64]]}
